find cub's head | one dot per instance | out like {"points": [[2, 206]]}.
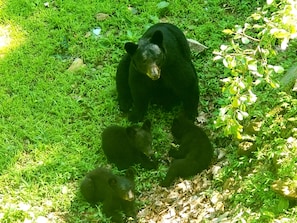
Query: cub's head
{"points": [[123, 186], [141, 137], [148, 55]]}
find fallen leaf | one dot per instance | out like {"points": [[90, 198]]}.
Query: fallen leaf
{"points": [[76, 65], [101, 16], [96, 31]]}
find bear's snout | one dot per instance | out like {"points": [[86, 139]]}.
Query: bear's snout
{"points": [[154, 72]]}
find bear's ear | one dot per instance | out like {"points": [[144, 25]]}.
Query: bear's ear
{"points": [[131, 131], [146, 125], [130, 173], [157, 38], [131, 48], [112, 182]]}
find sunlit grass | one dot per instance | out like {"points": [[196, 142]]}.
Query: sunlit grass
{"points": [[11, 37]]}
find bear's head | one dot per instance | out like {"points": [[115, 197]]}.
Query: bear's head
{"points": [[141, 137], [148, 55], [123, 187]]}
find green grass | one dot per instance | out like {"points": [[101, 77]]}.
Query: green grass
{"points": [[51, 119]]}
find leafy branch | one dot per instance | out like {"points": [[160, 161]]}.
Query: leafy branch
{"points": [[246, 59]]}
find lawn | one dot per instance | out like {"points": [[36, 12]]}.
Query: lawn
{"points": [[52, 115]]}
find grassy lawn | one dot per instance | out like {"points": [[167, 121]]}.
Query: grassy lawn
{"points": [[51, 117]]}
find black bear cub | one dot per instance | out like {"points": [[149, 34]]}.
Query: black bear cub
{"points": [[115, 192], [128, 146], [194, 154], [157, 69]]}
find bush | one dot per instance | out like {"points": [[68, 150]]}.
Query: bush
{"points": [[247, 59]]}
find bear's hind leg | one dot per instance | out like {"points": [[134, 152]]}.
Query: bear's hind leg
{"points": [[122, 84], [179, 168]]}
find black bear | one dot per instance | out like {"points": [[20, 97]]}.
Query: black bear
{"points": [[194, 153], [115, 192], [128, 146], [159, 69]]}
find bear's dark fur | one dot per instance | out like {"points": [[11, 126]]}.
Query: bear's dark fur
{"points": [[128, 146], [157, 69], [194, 154], [115, 192]]}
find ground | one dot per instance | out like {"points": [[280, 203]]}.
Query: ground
{"points": [[52, 112]]}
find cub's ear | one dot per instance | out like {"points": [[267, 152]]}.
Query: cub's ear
{"points": [[112, 181], [146, 125], [131, 131], [130, 173], [157, 38], [131, 48]]}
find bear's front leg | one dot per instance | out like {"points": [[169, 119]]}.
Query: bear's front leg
{"points": [[129, 209], [111, 210], [147, 162], [138, 110], [177, 153], [140, 91]]}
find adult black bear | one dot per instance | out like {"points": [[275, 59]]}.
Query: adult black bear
{"points": [[115, 192], [158, 68], [194, 154], [128, 146]]}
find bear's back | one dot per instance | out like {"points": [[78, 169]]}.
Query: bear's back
{"points": [[198, 143], [95, 186], [118, 146], [114, 137], [192, 138]]}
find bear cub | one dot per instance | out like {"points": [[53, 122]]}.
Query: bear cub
{"points": [[194, 153], [128, 146], [157, 69], [115, 192]]}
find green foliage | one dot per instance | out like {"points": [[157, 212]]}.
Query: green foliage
{"points": [[252, 178], [246, 59]]}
